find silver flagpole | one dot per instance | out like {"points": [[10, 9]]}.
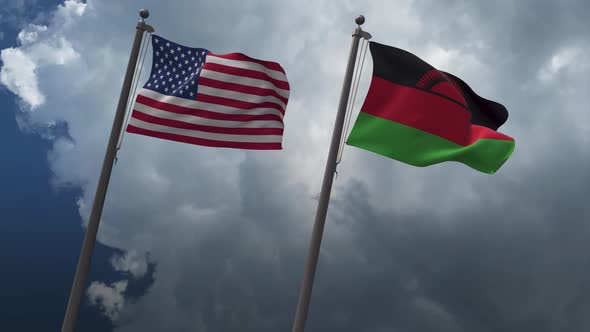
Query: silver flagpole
{"points": [[83, 267], [322, 210]]}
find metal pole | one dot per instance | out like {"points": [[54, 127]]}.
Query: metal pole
{"points": [[81, 276], [322, 210]]}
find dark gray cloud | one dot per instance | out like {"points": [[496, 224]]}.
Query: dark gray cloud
{"points": [[405, 249], [511, 264]]}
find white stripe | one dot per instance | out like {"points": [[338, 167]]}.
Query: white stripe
{"points": [[206, 106], [254, 82], [206, 135], [207, 90], [205, 121], [277, 75]]}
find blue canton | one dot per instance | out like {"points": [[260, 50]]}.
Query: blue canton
{"points": [[175, 68]]}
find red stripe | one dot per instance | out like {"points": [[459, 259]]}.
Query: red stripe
{"points": [[241, 88], [210, 129], [246, 73], [480, 132], [204, 142], [425, 111], [237, 103], [242, 57], [204, 113]]}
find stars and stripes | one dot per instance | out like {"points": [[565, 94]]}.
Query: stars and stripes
{"points": [[219, 100]]}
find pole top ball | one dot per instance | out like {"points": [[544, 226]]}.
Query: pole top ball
{"points": [[144, 13], [360, 20]]}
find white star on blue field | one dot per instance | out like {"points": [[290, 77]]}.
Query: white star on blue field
{"points": [[176, 68]]}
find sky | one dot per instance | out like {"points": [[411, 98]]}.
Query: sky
{"points": [[204, 239], [40, 233]]}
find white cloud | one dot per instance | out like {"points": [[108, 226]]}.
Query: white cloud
{"points": [[18, 75], [20, 65], [131, 262], [71, 8], [227, 227], [109, 299], [41, 47], [30, 33], [558, 62]]}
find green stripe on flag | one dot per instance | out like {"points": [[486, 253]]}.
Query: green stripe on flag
{"points": [[419, 148]]}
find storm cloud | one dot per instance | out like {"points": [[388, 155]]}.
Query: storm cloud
{"points": [[405, 249]]}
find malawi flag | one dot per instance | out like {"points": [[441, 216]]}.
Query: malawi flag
{"points": [[422, 116]]}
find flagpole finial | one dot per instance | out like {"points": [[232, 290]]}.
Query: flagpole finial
{"points": [[359, 20], [144, 13]]}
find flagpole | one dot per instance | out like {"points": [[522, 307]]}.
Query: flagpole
{"points": [[83, 268], [322, 209]]}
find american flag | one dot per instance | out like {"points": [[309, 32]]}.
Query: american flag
{"points": [[220, 100]]}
